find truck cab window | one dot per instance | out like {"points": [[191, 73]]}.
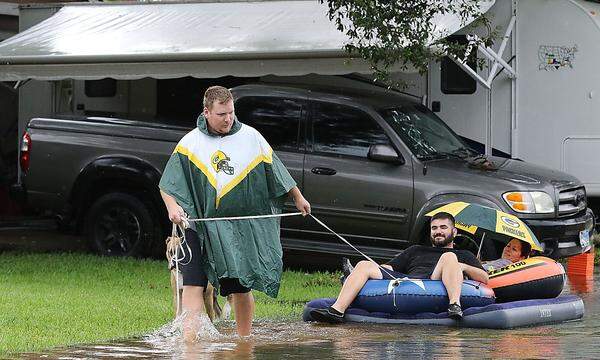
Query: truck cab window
{"points": [[343, 130], [277, 119]]}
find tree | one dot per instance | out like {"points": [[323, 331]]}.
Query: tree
{"points": [[403, 33]]}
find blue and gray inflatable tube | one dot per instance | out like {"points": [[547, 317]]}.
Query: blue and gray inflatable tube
{"points": [[414, 296], [495, 316]]}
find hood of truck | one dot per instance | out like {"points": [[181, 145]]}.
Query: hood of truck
{"points": [[509, 175]]}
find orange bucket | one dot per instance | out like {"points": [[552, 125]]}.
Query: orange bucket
{"points": [[582, 265]]}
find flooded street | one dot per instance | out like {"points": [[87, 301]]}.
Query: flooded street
{"points": [[299, 340]]}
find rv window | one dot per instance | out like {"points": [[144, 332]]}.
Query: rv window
{"points": [[180, 100], [277, 119], [101, 88], [455, 80]]}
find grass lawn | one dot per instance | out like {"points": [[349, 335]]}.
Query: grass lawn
{"points": [[49, 300]]}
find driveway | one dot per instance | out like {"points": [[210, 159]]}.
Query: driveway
{"points": [[37, 235]]}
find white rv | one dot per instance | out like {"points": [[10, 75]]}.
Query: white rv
{"points": [[541, 103]]}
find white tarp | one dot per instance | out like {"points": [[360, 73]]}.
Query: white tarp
{"points": [[162, 40]]}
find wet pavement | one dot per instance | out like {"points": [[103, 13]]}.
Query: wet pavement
{"points": [[38, 235]]}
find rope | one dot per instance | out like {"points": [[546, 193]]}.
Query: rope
{"points": [[396, 280], [186, 222], [179, 243], [244, 217]]}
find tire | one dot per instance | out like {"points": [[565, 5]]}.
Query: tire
{"points": [[120, 224]]}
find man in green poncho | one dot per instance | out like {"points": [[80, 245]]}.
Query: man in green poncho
{"points": [[224, 168]]}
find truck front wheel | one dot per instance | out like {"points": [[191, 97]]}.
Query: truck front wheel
{"points": [[119, 224]]}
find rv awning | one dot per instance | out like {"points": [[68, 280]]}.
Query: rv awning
{"points": [[162, 40]]}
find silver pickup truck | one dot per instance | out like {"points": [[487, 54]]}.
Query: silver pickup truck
{"points": [[372, 163]]}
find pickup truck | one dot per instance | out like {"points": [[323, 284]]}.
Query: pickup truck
{"points": [[371, 162]]}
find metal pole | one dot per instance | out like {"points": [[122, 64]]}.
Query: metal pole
{"points": [[480, 246], [488, 127]]}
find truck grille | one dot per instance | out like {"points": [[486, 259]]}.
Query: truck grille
{"points": [[571, 201]]}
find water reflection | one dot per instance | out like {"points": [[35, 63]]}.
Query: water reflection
{"points": [[581, 284], [299, 340], [520, 346]]}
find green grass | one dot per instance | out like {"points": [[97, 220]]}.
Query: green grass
{"points": [[49, 300]]}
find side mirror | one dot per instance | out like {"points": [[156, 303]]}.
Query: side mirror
{"points": [[385, 153]]}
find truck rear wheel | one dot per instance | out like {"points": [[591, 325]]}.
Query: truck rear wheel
{"points": [[120, 224]]}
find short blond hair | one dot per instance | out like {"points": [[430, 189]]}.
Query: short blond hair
{"points": [[216, 93]]}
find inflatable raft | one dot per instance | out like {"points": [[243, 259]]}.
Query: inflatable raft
{"points": [[413, 296], [533, 278], [495, 316]]}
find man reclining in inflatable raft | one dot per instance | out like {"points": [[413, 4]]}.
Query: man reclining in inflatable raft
{"points": [[440, 262]]}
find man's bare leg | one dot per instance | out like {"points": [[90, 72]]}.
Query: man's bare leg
{"points": [[363, 271], [448, 270], [192, 303], [243, 306]]}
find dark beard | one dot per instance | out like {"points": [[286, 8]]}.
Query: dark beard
{"points": [[447, 240]]}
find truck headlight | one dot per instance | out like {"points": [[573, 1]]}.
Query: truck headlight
{"points": [[530, 202]]}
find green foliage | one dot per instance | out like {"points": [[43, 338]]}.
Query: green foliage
{"points": [[401, 33], [49, 300]]}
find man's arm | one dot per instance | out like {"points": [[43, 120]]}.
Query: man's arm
{"points": [[175, 211], [301, 204], [475, 273]]}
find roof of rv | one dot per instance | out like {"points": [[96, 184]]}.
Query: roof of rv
{"points": [[170, 40]]}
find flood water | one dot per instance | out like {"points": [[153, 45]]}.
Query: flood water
{"points": [[299, 340]]}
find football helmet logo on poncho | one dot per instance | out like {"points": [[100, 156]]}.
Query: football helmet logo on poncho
{"points": [[220, 162]]}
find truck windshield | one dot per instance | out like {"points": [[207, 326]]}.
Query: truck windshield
{"points": [[424, 133]]}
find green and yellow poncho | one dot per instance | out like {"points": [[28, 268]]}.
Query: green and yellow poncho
{"points": [[233, 175]]}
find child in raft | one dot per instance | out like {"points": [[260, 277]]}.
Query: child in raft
{"points": [[516, 250]]}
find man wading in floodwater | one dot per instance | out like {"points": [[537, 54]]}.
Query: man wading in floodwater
{"points": [[440, 262], [224, 168]]}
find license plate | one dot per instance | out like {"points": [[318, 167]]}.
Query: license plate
{"points": [[584, 238]]}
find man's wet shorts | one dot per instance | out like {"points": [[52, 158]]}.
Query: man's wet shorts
{"points": [[391, 274], [192, 272], [387, 275]]}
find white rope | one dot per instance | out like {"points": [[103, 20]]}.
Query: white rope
{"points": [[245, 217], [176, 259], [186, 224], [182, 243], [178, 311], [396, 280]]}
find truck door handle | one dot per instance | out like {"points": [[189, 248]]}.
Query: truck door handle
{"points": [[323, 171]]}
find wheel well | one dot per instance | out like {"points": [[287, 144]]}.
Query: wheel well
{"points": [[104, 186]]}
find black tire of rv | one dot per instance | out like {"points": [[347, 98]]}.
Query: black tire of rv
{"points": [[120, 224]]}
